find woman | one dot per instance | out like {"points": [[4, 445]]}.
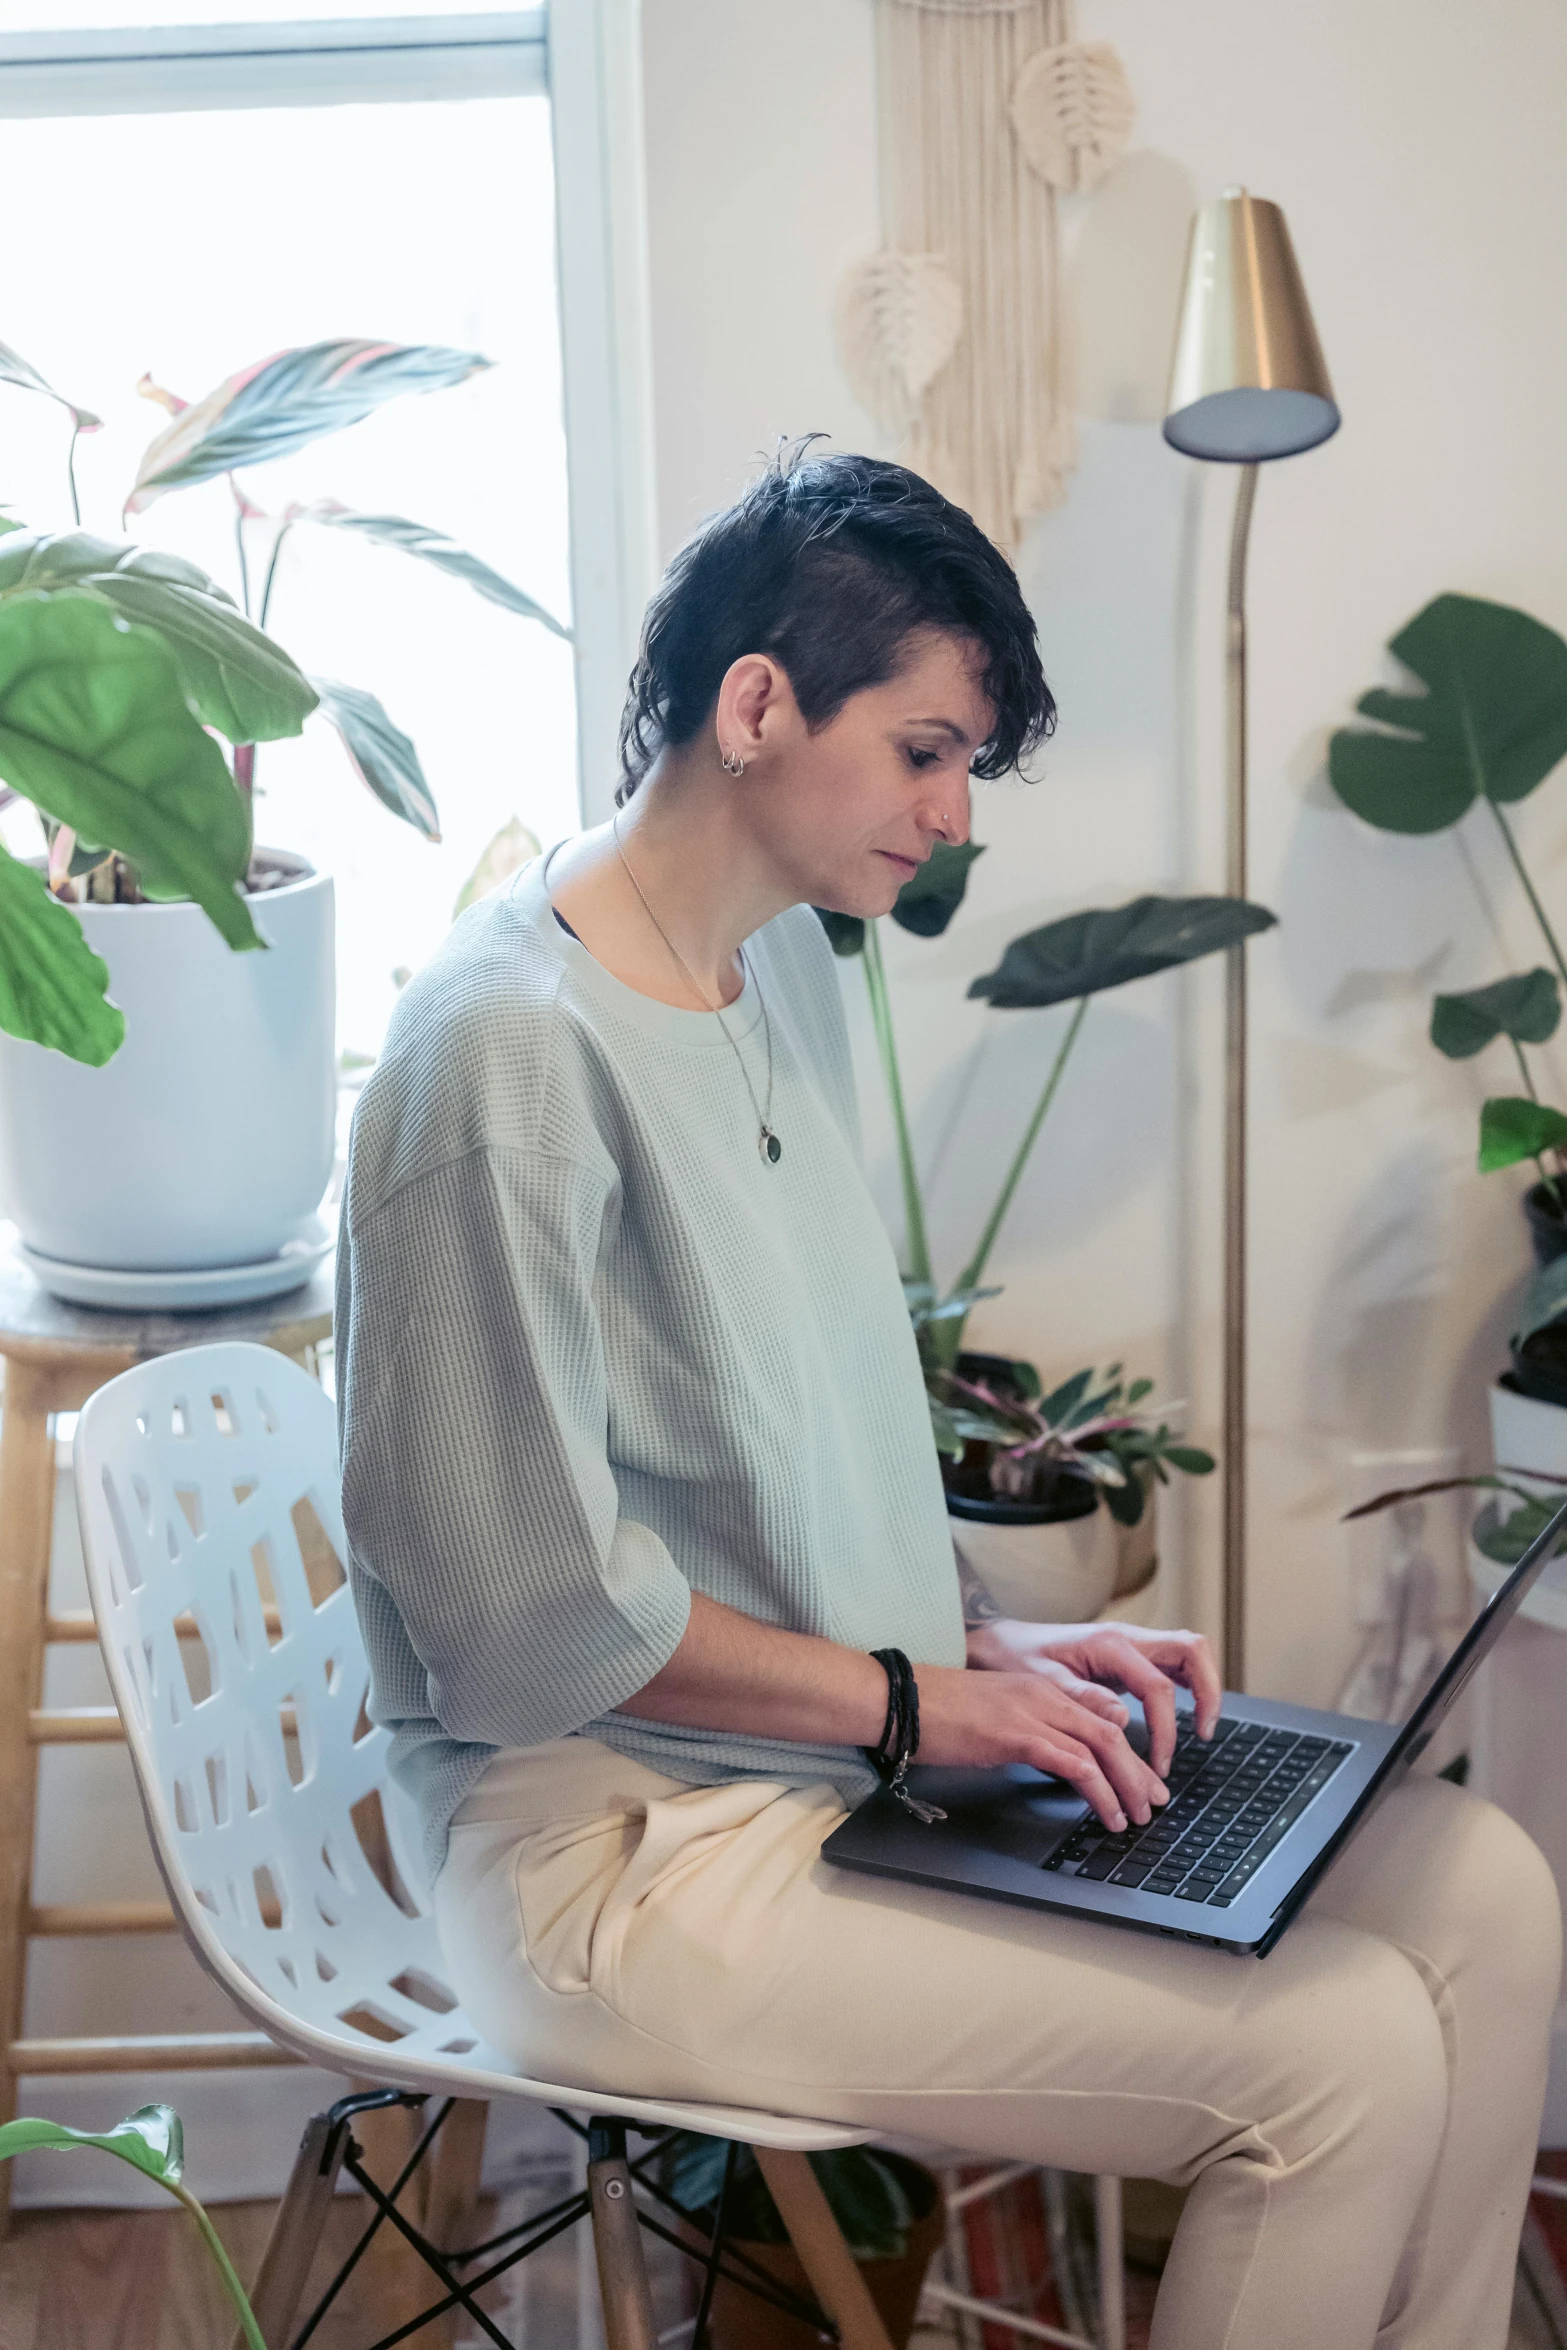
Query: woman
{"points": [[638, 1474]]}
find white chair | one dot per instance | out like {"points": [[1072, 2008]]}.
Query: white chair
{"points": [[207, 1483]]}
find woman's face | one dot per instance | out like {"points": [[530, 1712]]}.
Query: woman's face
{"points": [[849, 813]]}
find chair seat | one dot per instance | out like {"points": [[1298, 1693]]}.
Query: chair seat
{"points": [[207, 1483]]}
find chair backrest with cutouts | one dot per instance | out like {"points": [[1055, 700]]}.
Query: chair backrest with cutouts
{"points": [[207, 1483]]}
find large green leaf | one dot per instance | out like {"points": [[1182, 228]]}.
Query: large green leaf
{"points": [[1083, 954], [1492, 721], [1506, 1539], [431, 546], [284, 402], [928, 900], [96, 731], [151, 2139], [14, 369], [384, 759], [51, 983], [1527, 1009], [240, 681], [1512, 1128]]}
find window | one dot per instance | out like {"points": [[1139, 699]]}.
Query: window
{"points": [[233, 182]]}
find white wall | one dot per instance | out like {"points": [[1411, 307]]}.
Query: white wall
{"points": [[1418, 154]]}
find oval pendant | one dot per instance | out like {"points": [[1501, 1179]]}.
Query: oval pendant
{"points": [[769, 1145]]}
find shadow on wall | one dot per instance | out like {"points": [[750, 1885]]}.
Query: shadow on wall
{"points": [[1108, 1133]]}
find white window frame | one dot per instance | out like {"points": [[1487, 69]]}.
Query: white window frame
{"points": [[586, 54]]}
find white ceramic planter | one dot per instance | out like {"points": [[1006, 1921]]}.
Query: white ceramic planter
{"points": [[208, 1139], [1061, 1573], [1528, 1435]]}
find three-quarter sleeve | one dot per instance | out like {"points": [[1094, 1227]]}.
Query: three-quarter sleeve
{"points": [[477, 1490]]}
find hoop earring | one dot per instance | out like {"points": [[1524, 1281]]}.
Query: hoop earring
{"points": [[732, 763]]}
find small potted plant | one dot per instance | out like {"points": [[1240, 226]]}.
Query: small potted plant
{"points": [[177, 1157], [1028, 1476], [888, 2208]]}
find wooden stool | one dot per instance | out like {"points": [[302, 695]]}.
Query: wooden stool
{"points": [[55, 1356]]}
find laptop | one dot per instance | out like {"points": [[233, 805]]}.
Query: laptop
{"points": [[1256, 1817]]}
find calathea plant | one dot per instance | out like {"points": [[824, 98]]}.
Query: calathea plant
{"points": [[1070, 961], [120, 664]]}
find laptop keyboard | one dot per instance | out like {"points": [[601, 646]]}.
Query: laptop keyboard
{"points": [[1231, 1801]]}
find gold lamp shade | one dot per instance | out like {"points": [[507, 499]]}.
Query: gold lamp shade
{"points": [[1248, 381]]}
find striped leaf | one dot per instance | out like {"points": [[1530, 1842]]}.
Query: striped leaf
{"points": [[383, 757], [431, 546], [284, 402]]}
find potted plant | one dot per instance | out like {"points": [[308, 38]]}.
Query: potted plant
{"points": [[1486, 730], [1032, 1471], [889, 2210], [119, 666]]}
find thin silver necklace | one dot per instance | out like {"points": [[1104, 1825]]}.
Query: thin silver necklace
{"points": [[767, 1141]]}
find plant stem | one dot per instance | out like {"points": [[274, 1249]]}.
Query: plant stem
{"points": [[916, 1239], [1530, 892], [969, 1278], [266, 591], [236, 2291], [244, 565], [70, 473]]}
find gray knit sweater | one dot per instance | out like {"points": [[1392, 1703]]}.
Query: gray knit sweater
{"points": [[594, 1354]]}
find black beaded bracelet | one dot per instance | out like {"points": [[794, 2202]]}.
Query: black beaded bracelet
{"points": [[900, 1736]]}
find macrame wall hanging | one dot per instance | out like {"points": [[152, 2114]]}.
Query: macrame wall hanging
{"points": [[952, 335]]}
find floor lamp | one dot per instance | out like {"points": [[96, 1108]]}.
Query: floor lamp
{"points": [[1248, 383]]}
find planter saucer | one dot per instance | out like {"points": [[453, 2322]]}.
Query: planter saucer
{"points": [[289, 1267]]}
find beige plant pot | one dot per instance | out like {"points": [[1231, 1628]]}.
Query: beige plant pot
{"points": [[1137, 1548], [1062, 1572]]}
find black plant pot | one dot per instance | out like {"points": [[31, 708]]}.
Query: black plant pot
{"points": [[967, 1481], [1547, 1232], [1540, 1365]]}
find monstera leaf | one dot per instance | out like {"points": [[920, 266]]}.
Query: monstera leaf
{"points": [[96, 731], [52, 985], [431, 546], [239, 680], [1083, 954], [14, 369], [1513, 1128], [284, 402], [1491, 723], [1527, 1009], [924, 905], [383, 757]]}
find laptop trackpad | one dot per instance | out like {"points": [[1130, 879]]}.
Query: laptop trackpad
{"points": [[1014, 1810]]}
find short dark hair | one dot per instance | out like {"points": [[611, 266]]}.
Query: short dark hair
{"points": [[829, 563]]}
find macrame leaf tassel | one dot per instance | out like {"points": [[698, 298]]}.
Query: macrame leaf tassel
{"points": [[899, 316], [1072, 110]]}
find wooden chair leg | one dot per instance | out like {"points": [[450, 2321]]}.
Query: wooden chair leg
{"points": [[26, 1515], [617, 2242], [296, 2231], [451, 2195], [824, 2256]]}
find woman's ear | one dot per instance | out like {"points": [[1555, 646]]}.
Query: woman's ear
{"points": [[754, 697]]}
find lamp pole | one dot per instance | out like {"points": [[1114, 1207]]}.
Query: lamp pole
{"points": [[1248, 383], [1235, 1063]]}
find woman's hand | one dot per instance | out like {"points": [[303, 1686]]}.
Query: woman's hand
{"points": [[1090, 1660], [1041, 1712]]}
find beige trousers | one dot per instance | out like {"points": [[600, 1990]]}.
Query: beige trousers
{"points": [[1357, 2114]]}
